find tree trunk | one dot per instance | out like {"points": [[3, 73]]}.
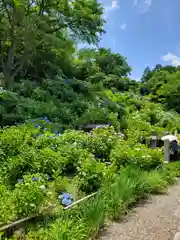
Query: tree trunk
{"points": [[8, 79]]}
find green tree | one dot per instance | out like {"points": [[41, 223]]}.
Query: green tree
{"points": [[100, 65], [170, 91], [111, 63], [147, 74], [29, 25]]}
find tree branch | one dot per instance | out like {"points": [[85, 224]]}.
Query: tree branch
{"points": [[18, 69], [2, 54], [56, 29], [30, 4], [41, 9]]}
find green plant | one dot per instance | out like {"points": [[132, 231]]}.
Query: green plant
{"points": [[93, 213], [62, 228], [29, 195], [156, 182], [139, 155], [7, 206], [173, 168], [93, 174], [101, 141]]}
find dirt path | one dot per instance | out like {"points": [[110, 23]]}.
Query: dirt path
{"points": [[157, 219]]}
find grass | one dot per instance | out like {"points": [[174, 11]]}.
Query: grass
{"points": [[112, 202]]}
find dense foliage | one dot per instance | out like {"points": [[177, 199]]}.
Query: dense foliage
{"points": [[163, 85], [49, 91]]}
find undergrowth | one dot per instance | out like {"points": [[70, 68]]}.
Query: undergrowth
{"points": [[111, 203]]}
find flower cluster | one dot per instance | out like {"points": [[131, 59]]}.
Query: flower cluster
{"points": [[66, 199], [35, 179], [43, 128], [42, 118], [114, 91]]}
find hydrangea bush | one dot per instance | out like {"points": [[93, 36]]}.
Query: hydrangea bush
{"points": [[41, 164]]}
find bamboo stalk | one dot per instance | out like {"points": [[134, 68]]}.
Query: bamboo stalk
{"points": [[13, 224]]}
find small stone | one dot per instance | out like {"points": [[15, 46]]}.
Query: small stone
{"points": [[177, 213]]}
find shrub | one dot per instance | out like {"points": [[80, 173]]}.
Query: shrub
{"points": [[7, 207], [13, 139], [31, 161], [28, 196], [73, 156], [173, 168], [78, 138], [101, 141], [92, 174], [156, 182], [138, 154]]}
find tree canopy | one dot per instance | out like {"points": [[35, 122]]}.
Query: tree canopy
{"points": [[41, 33], [44, 73]]}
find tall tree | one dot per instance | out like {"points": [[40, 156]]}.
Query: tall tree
{"points": [[29, 25], [147, 74], [111, 63], [170, 91], [93, 61]]}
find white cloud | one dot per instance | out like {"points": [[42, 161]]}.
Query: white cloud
{"points": [[142, 6], [172, 58], [112, 6], [123, 26]]}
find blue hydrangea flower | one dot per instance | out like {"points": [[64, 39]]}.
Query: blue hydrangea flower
{"points": [[37, 125], [66, 202], [65, 195], [35, 179], [56, 132], [68, 81], [20, 180], [49, 178], [32, 120]]}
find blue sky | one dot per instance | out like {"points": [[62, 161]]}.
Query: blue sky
{"points": [[147, 32]]}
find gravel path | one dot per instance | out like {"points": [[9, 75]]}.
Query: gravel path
{"points": [[157, 219]]}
